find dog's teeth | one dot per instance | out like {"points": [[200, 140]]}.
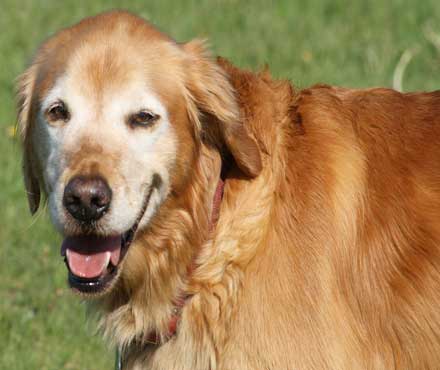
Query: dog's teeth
{"points": [[107, 258]]}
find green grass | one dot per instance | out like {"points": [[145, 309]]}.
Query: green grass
{"points": [[350, 43]]}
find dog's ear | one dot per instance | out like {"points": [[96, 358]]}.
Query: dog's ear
{"points": [[213, 95], [25, 89]]}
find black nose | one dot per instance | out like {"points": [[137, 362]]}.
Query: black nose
{"points": [[87, 198]]}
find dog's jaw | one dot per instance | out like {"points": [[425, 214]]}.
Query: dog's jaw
{"points": [[94, 262]]}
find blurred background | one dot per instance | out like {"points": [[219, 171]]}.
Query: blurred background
{"points": [[350, 43]]}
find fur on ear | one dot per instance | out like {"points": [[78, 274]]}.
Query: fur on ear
{"points": [[213, 95], [25, 87]]}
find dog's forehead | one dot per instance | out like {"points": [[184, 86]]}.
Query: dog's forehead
{"points": [[116, 65], [99, 71], [113, 52]]}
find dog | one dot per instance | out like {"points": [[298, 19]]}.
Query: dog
{"points": [[216, 218]]}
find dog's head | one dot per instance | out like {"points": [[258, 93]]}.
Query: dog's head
{"points": [[111, 117]]}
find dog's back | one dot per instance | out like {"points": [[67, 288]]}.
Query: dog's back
{"points": [[352, 242]]}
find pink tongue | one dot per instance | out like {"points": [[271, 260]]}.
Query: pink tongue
{"points": [[89, 256]]}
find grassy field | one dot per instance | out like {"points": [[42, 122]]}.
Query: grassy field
{"points": [[350, 43]]}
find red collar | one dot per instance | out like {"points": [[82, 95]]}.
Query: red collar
{"points": [[153, 338]]}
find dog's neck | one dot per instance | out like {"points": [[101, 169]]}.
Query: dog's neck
{"points": [[155, 271]]}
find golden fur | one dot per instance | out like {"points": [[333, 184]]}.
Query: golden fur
{"points": [[327, 251]]}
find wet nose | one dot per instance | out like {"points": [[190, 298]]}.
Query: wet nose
{"points": [[87, 199]]}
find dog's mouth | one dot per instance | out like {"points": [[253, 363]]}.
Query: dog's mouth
{"points": [[93, 260]]}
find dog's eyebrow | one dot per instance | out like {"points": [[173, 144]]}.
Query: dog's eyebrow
{"points": [[53, 95]]}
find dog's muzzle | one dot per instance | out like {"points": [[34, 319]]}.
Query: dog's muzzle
{"points": [[93, 260]]}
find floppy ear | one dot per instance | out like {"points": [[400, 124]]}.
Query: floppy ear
{"points": [[213, 95], [25, 87]]}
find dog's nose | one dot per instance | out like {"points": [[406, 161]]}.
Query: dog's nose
{"points": [[87, 198]]}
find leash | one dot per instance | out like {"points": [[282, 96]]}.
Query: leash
{"points": [[118, 360], [153, 338]]}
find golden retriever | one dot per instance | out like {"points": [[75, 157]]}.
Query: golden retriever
{"points": [[223, 220]]}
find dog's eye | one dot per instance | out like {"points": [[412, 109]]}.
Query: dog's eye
{"points": [[58, 112], [143, 118]]}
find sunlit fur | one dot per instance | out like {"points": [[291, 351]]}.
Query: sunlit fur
{"points": [[327, 251]]}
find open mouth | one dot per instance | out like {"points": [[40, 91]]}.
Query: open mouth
{"points": [[93, 260]]}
